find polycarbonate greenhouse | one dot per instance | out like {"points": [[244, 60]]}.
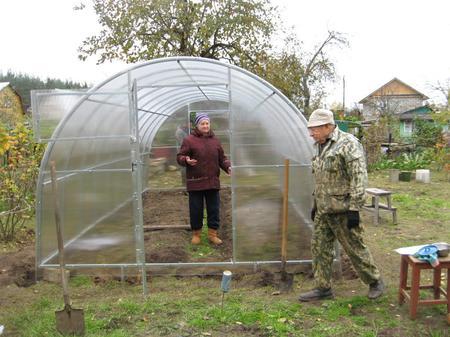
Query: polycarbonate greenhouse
{"points": [[103, 139]]}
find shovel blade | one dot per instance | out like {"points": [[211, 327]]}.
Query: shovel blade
{"points": [[286, 282], [70, 321]]}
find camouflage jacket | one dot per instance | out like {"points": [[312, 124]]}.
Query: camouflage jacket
{"points": [[340, 174]]}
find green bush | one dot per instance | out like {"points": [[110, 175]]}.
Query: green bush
{"points": [[19, 167], [413, 161], [407, 162], [426, 133]]}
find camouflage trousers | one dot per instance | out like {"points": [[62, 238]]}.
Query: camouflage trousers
{"points": [[328, 228]]}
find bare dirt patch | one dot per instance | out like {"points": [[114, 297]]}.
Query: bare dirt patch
{"points": [[18, 266], [169, 208]]}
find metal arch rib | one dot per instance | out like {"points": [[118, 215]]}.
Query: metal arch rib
{"points": [[124, 106], [189, 75], [263, 101]]}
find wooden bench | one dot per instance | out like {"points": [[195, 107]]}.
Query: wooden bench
{"points": [[375, 206], [411, 293]]}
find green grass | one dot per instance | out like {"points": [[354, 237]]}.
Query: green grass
{"points": [[245, 310], [80, 281], [423, 206]]}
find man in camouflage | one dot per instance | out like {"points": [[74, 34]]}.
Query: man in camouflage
{"points": [[340, 174]]}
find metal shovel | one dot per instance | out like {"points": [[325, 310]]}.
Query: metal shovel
{"points": [[287, 279], [69, 320]]}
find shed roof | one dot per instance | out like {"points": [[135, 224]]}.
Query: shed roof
{"points": [[3, 85], [422, 112]]}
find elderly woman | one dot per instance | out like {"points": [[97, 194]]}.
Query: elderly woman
{"points": [[203, 156]]}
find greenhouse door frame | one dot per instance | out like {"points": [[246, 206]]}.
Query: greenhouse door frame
{"points": [[136, 174]]}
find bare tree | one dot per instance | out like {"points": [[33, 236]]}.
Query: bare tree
{"points": [[317, 68], [300, 74], [386, 106], [444, 89]]}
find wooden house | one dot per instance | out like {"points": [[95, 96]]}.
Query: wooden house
{"points": [[393, 98], [396, 98], [11, 107]]}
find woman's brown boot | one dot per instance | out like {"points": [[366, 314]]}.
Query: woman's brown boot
{"points": [[196, 236], [213, 238]]}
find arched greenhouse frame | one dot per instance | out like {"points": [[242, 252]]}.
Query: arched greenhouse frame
{"points": [[105, 142]]}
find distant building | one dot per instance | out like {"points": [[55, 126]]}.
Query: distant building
{"points": [[11, 108], [396, 98], [393, 98], [407, 119]]}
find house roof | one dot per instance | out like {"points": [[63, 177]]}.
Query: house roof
{"points": [[422, 112], [3, 85], [392, 88]]}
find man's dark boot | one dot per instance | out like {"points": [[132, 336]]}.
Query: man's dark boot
{"points": [[376, 289], [316, 295]]}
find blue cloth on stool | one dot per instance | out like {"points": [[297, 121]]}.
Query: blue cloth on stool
{"points": [[428, 253]]}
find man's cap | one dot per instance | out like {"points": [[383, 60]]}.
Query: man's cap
{"points": [[320, 117], [199, 117]]}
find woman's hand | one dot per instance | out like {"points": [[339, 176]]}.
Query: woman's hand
{"points": [[191, 162], [229, 171]]}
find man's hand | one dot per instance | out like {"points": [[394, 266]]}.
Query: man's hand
{"points": [[191, 162], [352, 219]]}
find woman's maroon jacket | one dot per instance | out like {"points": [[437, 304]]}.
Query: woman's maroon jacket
{"points": [[210, 159]]}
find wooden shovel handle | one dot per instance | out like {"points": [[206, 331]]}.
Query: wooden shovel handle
{"points": [[59, 234]]}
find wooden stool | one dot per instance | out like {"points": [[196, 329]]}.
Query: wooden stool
{"points": [[375, 207], [413, 295]]}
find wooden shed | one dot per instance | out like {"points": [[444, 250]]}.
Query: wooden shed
{"points": [[11, 107]]}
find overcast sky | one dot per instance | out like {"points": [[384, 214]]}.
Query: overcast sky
{"points": [[407, 39]]}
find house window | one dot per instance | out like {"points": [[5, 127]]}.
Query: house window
{"points": [[381, 104], [408, 127]]}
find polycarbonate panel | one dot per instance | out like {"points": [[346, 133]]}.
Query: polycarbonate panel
{"points": [[280, 124], [91, 119], [258, 214], [105, 117], [91, 154], [301, 187], [93, 205], [49, 108], [253, 145], [94, 142]]}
